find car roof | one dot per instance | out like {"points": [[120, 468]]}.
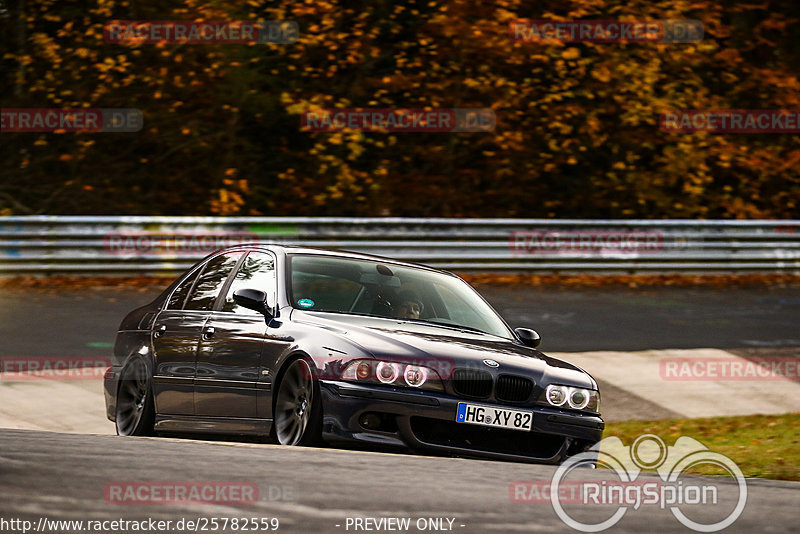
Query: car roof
{"points": [[311, 251]]}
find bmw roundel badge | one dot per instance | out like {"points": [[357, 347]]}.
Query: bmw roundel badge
{"points": [[491, 363]]}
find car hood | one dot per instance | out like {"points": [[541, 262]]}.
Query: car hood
{"points": [[418, 342]]}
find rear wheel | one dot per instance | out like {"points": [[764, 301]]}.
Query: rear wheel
{"points": [[297, 415], [135, 413]]}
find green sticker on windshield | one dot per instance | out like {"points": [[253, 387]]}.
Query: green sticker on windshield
{"points": [[305, 303]]}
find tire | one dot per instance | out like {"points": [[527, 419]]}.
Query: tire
{"points": [[297, 408], [135, 412]]}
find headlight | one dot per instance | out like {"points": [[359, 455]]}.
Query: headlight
{"points": [[556, 395], [575, 398], [393, 374], [578, 398], [387, 372], [415, 375], [594, 401]]}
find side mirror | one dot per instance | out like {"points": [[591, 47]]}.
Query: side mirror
{"points": [[528, 337], [252, 299]]}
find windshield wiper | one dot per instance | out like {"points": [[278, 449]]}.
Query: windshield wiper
{"points": [[460, 328]]}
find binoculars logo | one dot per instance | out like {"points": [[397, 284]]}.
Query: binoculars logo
{"points": [[649, 452]]}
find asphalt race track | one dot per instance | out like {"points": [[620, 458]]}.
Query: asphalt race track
{"points": [[64, 475], [313, 490]]}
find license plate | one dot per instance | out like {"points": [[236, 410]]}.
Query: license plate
{"points": [[477, 414]]}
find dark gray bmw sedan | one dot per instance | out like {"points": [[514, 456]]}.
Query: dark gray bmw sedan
{"points": [[306, 346]]}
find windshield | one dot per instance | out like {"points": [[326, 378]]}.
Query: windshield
{"points": [[344, 285]]}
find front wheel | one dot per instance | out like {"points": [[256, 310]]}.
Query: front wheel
{"points": [[297, 412], [135, 413]]}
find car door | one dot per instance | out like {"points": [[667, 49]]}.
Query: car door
{"points": [[177, 331], [175, 339], [229, 358]]}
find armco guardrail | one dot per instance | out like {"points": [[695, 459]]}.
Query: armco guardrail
{"points": [[165, 245]]}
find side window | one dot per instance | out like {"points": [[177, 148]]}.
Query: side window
{"points": [[208, 286], [257, 272], [179, 295]]}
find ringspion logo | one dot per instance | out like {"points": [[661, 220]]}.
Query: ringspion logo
{"points": [[682, 496], [579, 491], [399, 120]]}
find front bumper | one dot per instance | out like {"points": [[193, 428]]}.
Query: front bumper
{"points": [[426, 421]]}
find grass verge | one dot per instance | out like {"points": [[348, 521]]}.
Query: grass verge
{"points": [[763, 446]]}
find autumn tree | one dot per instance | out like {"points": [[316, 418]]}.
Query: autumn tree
{"points": [[577, 123]]}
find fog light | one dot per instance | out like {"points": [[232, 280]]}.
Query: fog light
{"points": [[556, 395], [387, 372], [370, 420], [578, 398], [415, 376]]}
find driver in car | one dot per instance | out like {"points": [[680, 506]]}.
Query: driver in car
{"points": [[407, 305]]}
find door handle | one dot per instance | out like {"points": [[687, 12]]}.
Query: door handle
{"points": [[208, 332], [160, 331]]}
